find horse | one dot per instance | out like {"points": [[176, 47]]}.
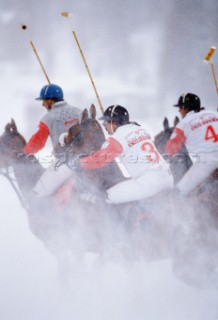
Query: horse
{"points": [[101, 225], [84, 138], [194, 254], [44, 219], [89, 194], [26, 169], [138, 219], [182, 162]]}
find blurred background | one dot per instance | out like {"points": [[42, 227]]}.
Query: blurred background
{"points": [[141, 54]]}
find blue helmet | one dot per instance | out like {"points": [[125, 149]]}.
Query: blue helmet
{"points": [[51, 91]]}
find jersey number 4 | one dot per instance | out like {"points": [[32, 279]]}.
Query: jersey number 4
{"points": [[211, 134]]}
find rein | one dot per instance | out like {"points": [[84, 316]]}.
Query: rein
{"points": [[12, 183]]}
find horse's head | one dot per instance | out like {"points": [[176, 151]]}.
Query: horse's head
{"points": [[11, 144], [161, 138], [87, 135], [180, 162]]}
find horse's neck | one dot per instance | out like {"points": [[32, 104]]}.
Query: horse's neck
{"points": [[27, 174], [27, 169]]}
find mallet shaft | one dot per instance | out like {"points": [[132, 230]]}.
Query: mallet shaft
{"points": [[67, 15], [214, 76], [24, 27], [39, 60], [87, 68]]}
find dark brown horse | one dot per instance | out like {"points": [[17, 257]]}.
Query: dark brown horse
{"points": [[181, 162], [83, 139], [79, 139], [136, 216], [87, 136], [26, 169], [194, 256]]}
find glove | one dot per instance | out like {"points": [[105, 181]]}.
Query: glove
{"points": [[62, 139], [74, 162], [26, 158]]}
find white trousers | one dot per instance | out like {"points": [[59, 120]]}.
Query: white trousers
{"points": [[52, 179], [205, 164], [149, 184]]}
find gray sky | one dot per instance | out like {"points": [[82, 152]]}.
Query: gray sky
{"points": [[141, 54]]}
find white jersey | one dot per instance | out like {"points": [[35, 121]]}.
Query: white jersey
{"points": [[201, 131], [139, 153]]}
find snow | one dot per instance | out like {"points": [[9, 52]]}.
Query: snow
{"points": [[33, 287], [145, 67]]}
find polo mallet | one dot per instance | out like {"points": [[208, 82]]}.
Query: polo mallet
{"points": [[68, 15], [24, 27], [207, 59]]}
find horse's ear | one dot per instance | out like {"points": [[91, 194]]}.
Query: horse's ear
{"points": [[166, 124], [176, 121], [85, 115], [92, 111], [13, 125]]}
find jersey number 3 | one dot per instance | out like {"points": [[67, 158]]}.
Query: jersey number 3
{"points": [[211, 134], [150, 149]]}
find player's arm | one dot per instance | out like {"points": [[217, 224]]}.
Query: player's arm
{"points": [[38, 140], [176, 141], [104, 156]]}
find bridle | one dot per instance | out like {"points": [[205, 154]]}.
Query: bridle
{"points": [[7, 174]]}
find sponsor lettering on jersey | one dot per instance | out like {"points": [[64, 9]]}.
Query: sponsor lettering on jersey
{"points": [[71, 122], [202, 120], [137, 136]]}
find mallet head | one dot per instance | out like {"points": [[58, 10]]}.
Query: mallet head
{"points": [[210, 53], [66, 14], [23, 26]]}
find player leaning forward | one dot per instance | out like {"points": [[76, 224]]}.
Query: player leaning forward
{"points": [[198, 130], [132, 145]]}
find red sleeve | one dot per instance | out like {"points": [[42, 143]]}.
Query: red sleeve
{"points": [[175, 143], [38, 140], [103, 156]]}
